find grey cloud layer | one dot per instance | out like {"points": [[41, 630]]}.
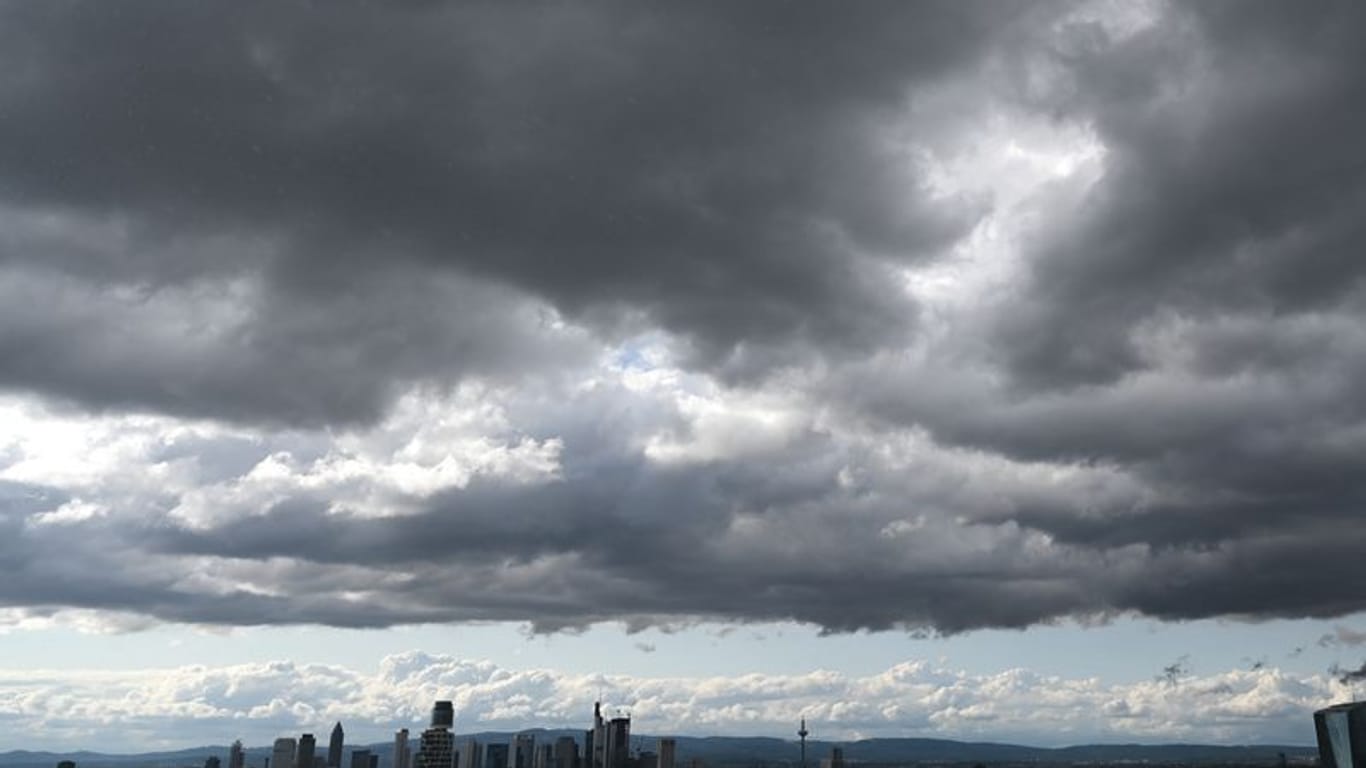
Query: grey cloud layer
{"points": [[724, 173], [288, 220]]}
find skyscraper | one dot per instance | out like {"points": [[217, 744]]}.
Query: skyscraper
{"points": [[303, 755], [236, 758], [835, 760], [402, 752], [618, 747], [597, 746], [471, 755], [360, 758], [496, 756], [437, 747], [1341, 732], [523, 750], [566, 752], [334, 746], [282, 754], [667, 751]]}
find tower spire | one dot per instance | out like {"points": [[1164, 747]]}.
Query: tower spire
{"points": [[802, 732]]}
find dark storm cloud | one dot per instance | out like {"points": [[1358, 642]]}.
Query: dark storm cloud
{"points": [[1234, 174], [731, 175], [1193, 320], [311, 213]]}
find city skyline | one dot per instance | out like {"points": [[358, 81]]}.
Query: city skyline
{"points": [[938, 368]]}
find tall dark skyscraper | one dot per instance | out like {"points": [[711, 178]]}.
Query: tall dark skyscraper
{"points": [[236, 757], [437, 746], [303, 758], [618, 747], [1341, 732], [597, 743], [403, 757], [524, 750], [334, 746]]}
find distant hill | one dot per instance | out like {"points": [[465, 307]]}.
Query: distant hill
{"points": [[750, 751]]}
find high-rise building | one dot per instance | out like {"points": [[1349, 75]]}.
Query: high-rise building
{"points": [[212, 761], [1341, 732], [523, 750], [597, 747], [403, 755], [303, 755], [668, 750], [282, 754], [835, 760], [471, 755], [645, 760], [360, 758], [566, 753], [334, 746], [437, 746], [496, 756], [617, 750], [236, 757]]}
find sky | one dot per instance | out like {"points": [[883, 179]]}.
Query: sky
{"points": [[960, 369]]}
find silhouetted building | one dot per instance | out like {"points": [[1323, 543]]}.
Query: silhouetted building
{"points": [[496, 756], [236, 757], [523, 750], [303, 756], [334, 746], [566, 753], [360, 758], [617, 750], [545, 756], [403, 756], [282, 754], [1341, 732], [646, 760], [596, 750], [437, 746], [212, 761], [66, 764], [668, 749], [835, 760]]}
